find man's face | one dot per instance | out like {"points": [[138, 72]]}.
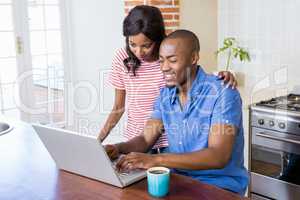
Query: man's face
{"points": [[175, 61]]}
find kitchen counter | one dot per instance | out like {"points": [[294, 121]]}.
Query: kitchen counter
{"points": [[28, 172]]}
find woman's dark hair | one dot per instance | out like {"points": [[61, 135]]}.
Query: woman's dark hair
{"points": [[147, 20]]}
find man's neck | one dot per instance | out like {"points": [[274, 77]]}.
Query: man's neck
{"points": [[183, 89]]}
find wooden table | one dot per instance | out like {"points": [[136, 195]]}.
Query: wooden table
{"points": [[27, 172]]}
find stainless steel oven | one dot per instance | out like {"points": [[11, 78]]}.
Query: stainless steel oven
{"points": [[275, 150]]}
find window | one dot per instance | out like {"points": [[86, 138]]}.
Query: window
{"points": [[8, 61]]}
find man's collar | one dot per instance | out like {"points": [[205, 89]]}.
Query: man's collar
{"points": [[197, 83], [173, 94]]}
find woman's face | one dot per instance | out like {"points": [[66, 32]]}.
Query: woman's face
{"points": [[141, 46]]}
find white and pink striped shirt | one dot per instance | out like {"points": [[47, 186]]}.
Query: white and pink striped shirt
{"points": [[141, 92]]}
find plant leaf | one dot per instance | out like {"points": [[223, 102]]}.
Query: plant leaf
{"points": [[248, 57], [235, 52], [230, 44], [241, 57], [222, 49], [229, 41]]}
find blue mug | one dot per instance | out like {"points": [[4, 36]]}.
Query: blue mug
{"points": [[158, 179]]}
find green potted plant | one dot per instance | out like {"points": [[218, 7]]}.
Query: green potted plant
{"points": [[233, 50]]}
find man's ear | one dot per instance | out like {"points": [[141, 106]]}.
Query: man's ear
{"points": [[195, 58]]}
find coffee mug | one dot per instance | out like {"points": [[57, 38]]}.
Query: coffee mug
{"points": [[158, 179]]}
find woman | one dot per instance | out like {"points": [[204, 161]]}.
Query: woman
{"points": [[136, 74]]}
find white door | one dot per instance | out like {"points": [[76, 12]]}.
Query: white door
{"points": [[46, 50], [36, 56]]}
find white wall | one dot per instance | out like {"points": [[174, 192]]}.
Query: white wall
{"points": [[200, 16], [270, 29], [95, 32]]}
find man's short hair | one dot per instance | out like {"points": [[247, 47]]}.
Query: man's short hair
{"points": [[187, 35]]}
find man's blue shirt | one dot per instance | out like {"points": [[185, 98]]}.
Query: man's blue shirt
{"points": [[188, 127]]}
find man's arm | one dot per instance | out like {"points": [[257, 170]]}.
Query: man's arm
{"points": [[216, 156], [225, 120], [144, 142]]}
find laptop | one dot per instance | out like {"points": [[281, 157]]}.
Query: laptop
{"points": [[84, 155]]}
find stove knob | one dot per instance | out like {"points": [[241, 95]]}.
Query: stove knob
{"points": [[281, 125], [261, 121], [271, 123]]}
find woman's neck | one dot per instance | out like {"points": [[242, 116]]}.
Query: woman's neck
{"points": [[151, 59]]}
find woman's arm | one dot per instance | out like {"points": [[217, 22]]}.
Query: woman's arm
{"points": [[115, 114]]}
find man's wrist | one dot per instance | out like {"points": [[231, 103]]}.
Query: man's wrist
{"points": [[119, 147], [159, 160]]}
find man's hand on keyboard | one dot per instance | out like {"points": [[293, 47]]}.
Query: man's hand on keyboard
{"points": [[112, 151], [135, 160]]}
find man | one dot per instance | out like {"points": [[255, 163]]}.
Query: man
{"points": [[202, 120]]}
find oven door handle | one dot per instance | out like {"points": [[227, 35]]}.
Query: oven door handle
{"points": [[264, 135]]}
